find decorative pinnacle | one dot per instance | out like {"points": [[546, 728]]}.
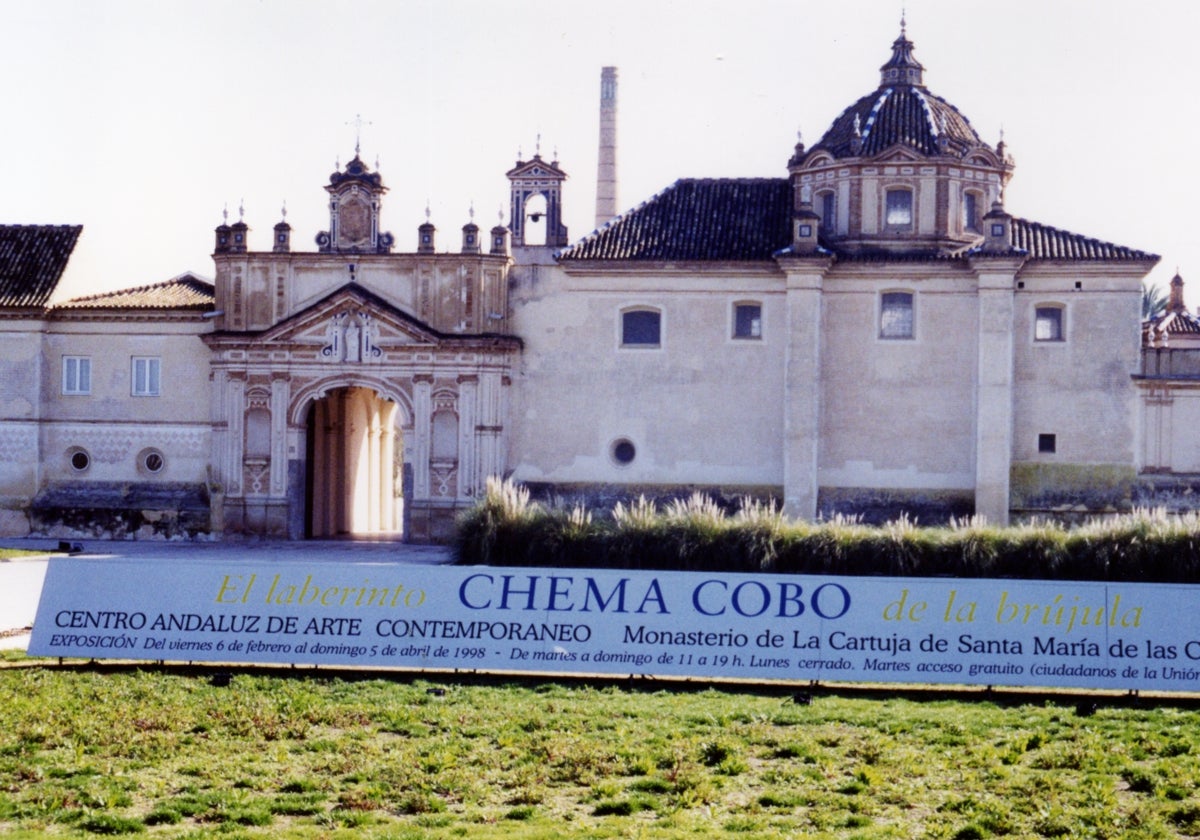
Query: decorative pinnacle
{"points": [[903, 25], [284, 209], [537, 151], [471, 211], [428, 212], [241, 209], [225, 213]]}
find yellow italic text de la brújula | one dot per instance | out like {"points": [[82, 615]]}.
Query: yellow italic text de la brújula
{"points": [[1068, 612]]}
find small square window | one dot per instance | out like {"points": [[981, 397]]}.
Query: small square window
{"points": [[747, 320], [804, 231], [1048, 324], [896, 315], [997, 229], [145, 374], [76, 375], [641, 328], [1047, 443]]}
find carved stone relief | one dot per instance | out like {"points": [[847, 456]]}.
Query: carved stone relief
{"points": [[351, 337]]}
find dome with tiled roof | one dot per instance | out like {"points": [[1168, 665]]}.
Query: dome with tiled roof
{"points": [[899, 170], [901, 112]]}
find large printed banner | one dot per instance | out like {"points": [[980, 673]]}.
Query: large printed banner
{"points": [[777, 627]]}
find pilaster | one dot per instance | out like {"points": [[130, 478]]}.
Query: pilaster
{"points": [[996, 278], [468, 436], [802, 382], [279, 435], [422, 433], [236, 407]]}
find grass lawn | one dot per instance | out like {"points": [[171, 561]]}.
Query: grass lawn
{"points": [[103, 751]]}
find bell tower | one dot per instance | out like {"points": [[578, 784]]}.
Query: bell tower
{"points": [[529, 180]]}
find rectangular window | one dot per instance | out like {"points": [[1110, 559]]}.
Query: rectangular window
{"points": [[971, 212], [76, 375], [899, 208], [641, 328], [747, 320], [896, 315], [146, 371], [1048, 324], [1047, 443], [828, 212]]}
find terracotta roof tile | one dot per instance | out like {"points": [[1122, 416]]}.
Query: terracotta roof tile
{"points": [[32, 260], [187, 291]]}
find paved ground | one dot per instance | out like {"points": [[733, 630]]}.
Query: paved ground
{"points": [[21, 580]]}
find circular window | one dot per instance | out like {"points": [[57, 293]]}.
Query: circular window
{"points": [[623, 451], [151, 461], [79, 459]]}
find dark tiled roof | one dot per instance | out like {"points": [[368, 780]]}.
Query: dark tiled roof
{"points": [[32, 260], [187, 291], [900, 115], [750, 219], [1047, 243], [697, 219]]}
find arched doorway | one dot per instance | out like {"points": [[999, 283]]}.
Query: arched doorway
{"points": [[355, 452]]}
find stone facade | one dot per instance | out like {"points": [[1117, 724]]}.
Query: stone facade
{"points": [[869, 333]]}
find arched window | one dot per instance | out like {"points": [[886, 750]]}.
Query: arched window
{"points": [[536, 224], [641, 328]]}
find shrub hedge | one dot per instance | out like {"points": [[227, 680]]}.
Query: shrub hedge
{"points": [[506, 528]]}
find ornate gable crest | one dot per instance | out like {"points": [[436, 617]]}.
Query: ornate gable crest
{"points": [[351, 326]]}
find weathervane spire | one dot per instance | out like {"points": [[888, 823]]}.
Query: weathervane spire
{"points": [[358, 123]]}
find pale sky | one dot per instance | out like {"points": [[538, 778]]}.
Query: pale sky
{"points": [[141, 120]]}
